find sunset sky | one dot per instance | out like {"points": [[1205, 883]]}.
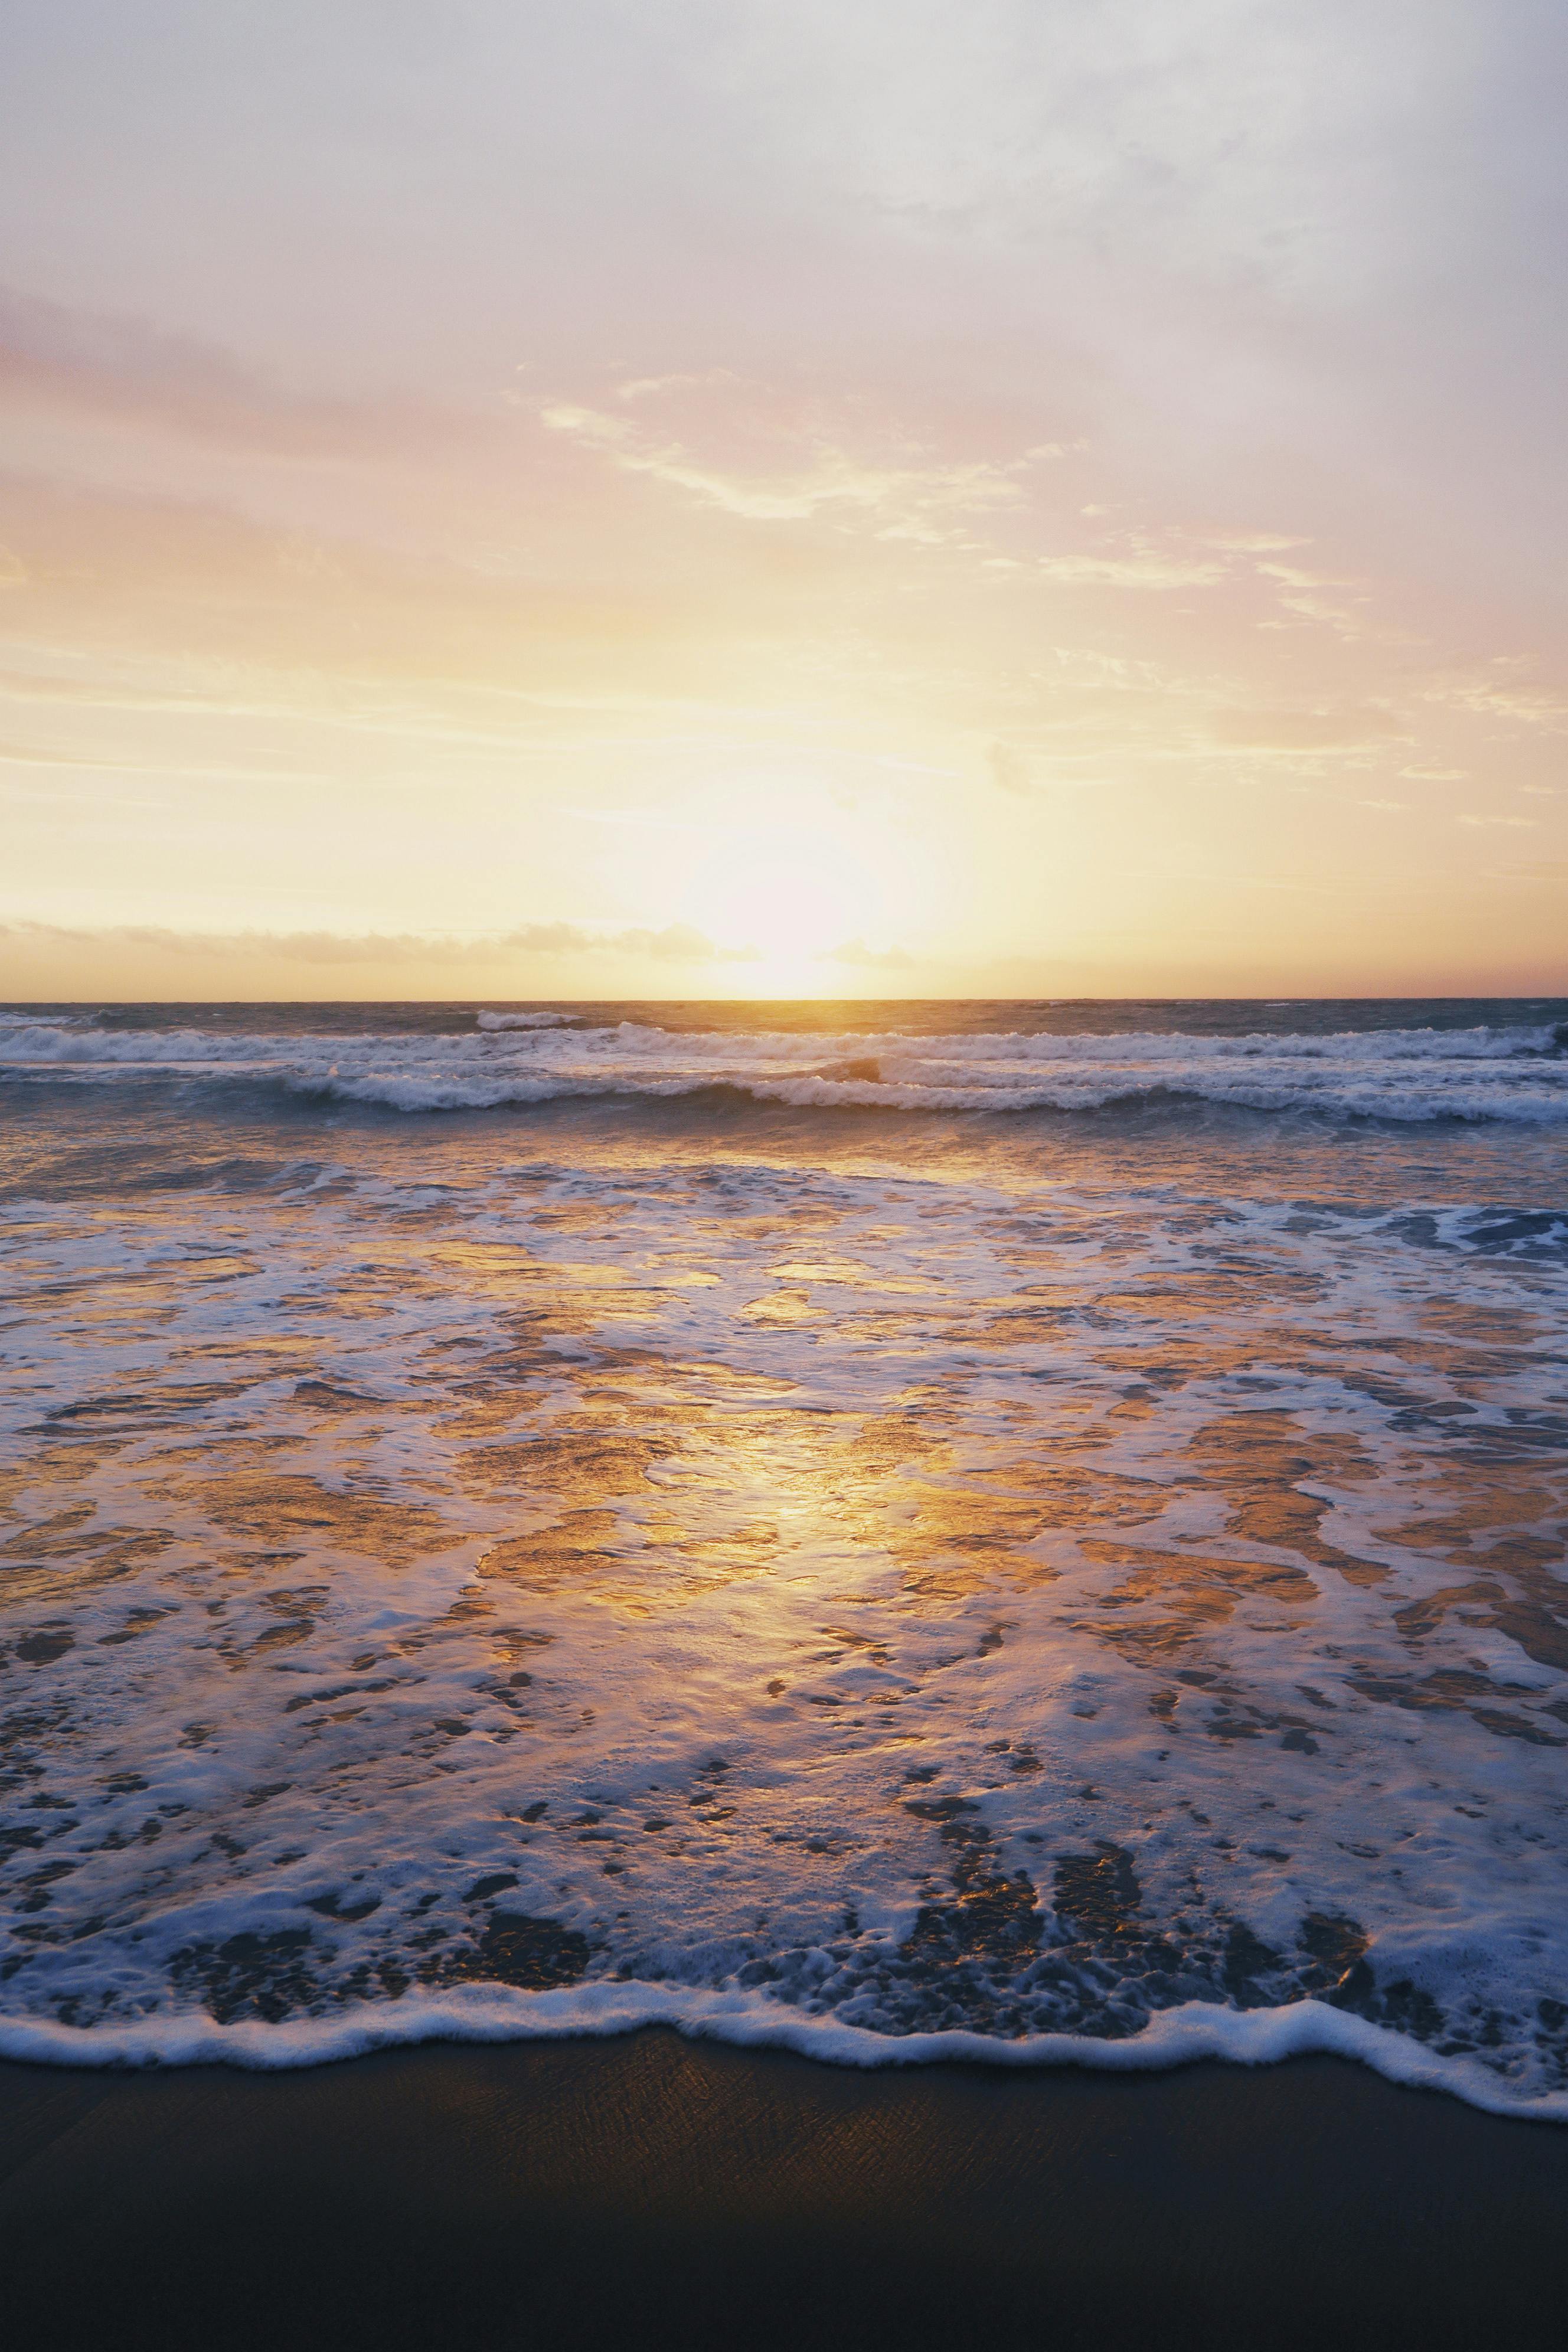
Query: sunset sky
{"points": [[586, 498]]}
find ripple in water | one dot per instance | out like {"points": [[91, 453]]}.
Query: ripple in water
{"points": [[529, 1578]]}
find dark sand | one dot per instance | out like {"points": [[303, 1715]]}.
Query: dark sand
{"points": [[651, 2191]]}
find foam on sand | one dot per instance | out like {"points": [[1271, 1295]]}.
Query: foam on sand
{"points": [[1179, 2037]]}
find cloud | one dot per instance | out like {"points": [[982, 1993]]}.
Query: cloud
{"points": [[1009, 769], [1347, 728], [1250, 542], [1550, 874], [23, 755], [808, 476], [1139, 567], [646, 387], [1507, 823], [1291, 575], [57, 358], [1520, 705], [677, 944], [20, 755]]}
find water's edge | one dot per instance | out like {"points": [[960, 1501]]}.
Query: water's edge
{"points": [[1178, 2037]]}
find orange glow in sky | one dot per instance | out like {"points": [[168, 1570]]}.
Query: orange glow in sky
{"points": [[992, 499]]}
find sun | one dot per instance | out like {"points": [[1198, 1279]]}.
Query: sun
{"points": [[787, 895]]}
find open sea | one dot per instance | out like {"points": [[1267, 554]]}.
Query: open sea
{"points": [[1026, 1530]]}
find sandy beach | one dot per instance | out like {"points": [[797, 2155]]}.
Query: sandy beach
{"points": [[653, 2192]]}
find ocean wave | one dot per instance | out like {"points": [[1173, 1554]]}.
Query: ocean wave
{"points": [[1516, 1075], [493, 1020]]}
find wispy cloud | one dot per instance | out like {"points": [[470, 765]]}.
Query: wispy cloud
{"points": [[1342, 728], [648, 387], [60, 358], [1251, 542], [677, 944], [1511, 700], [909, 500], [1009, 769], [16, 755], [1139, 566]]}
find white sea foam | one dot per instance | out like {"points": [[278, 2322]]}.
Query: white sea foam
{"points": [[525, 1020], [1513, 1075], [896, 1616], [1175, 2037]]}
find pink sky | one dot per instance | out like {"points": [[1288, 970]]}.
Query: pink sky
{"points": [[721, 499]]}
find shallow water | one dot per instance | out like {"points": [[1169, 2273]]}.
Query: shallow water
{"points": [[1028, 1521]]}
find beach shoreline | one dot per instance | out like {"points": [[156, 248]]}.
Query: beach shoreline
{"points": [[712, 1701], [652, 2189]]}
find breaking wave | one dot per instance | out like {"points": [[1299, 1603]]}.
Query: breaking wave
{"points": [[1514, 1075], [1099, 1602]]}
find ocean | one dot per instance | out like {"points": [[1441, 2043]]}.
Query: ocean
{"points": [[1018, 1531]]}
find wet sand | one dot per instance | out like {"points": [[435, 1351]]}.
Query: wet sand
{"points": [[651, 2191]]}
